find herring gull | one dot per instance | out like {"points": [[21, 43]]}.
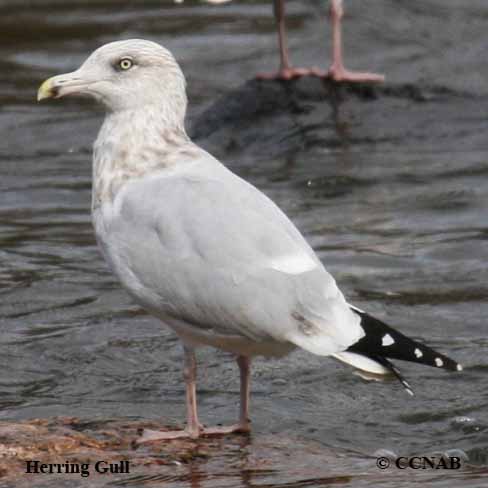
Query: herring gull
{"points": [[203, 250]]}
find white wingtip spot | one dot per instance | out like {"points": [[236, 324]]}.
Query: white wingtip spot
{"points": [[418, 353], [459, 367], [387, 340], [409, 391], [439, 362]]}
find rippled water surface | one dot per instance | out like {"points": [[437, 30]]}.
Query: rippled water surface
{"points": [[396, 208]]}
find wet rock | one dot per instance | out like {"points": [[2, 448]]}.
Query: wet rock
{"points": [[72, 441], [459, 453], [230, 461], [279, 382], [386, 453], [271, 118], [467, 424], [271, 460]]}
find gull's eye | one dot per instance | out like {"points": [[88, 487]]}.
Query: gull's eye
{"points": [[125, 64]]}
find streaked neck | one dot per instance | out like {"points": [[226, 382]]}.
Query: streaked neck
{"points": [[132, 143]]}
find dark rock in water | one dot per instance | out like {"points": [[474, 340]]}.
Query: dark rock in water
{"points": [[269, 118]]}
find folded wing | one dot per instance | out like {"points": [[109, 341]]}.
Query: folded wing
{"points": [[221, 256]]}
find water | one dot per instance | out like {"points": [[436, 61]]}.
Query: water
{"points": [[396, 209]]}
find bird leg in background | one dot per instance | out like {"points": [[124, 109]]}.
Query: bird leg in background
{"points": [[286, 71], [193, 428], [337, 71]]}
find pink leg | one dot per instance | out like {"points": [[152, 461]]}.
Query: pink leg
{"points": [[286, 71], [245, 374], [337, 71], [193, 428], [244, 424], [190, 375]]}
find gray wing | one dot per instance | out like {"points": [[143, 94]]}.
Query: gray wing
{"points": [[210, 249]]}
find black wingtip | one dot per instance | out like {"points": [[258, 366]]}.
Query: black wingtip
{"points": [[384, 362], [382, 341]]}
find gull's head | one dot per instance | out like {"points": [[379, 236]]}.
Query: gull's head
{"points": [[124, 75]]}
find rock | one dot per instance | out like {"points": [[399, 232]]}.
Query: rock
{"points": [[270, 459], [270, 118]]}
